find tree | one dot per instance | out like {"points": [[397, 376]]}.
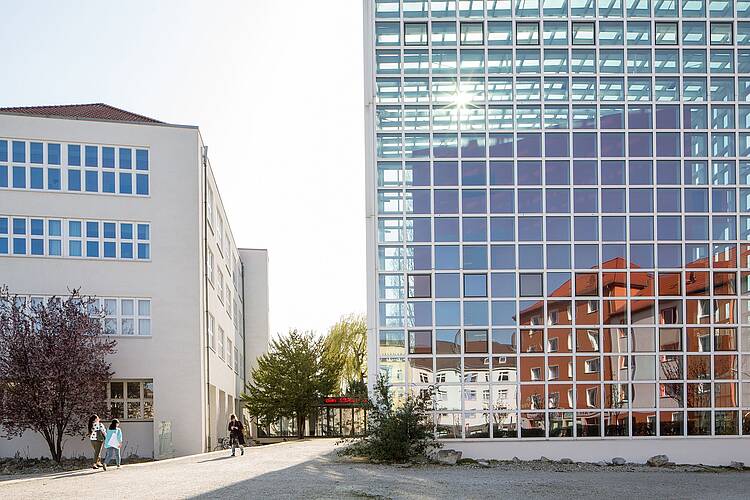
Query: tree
{"points": [[53, 367], [346, 344], [291, 379]]}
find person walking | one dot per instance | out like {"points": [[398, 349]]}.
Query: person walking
{"points": [[236, 436], [97, 433], [113, 443]]}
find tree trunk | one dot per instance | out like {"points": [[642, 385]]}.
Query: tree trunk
{"points": [[300, 426]]}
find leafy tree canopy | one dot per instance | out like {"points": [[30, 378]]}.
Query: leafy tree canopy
{"points": [[291, 379]]}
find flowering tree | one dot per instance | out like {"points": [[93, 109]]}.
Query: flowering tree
{"points": [[53, 367]]}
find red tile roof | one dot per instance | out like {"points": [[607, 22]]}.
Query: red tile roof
{"points": [[95, 111]]}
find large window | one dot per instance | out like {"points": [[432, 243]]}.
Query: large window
{"points": [[131, 400], [127, 317]]}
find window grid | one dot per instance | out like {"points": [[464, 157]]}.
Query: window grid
{"points": [[432, 113], [80, 168], [74, 238]]}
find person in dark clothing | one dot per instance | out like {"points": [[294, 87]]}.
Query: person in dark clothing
{"points": [[236, 435]]}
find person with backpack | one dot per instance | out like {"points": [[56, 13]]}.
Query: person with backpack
{"points": [[113, 443], [97, 434], [236, 436]]}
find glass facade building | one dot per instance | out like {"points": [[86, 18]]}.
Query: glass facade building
{"points": [[559, 205]]}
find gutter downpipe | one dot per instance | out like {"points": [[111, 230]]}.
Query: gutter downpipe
{"points": [[204, 159]]}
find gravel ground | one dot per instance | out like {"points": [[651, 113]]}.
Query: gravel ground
{"points": [[312, 470]]}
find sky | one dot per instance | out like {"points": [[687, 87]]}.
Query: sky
{"points": [[276, 87]]}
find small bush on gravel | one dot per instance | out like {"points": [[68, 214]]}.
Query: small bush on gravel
{"points": [[396, 433]]}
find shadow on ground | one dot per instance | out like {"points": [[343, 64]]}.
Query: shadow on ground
{"points": [[326, 477]]}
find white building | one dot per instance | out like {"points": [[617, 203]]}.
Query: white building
{"points": [[126, 208]]}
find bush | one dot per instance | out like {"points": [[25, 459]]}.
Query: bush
{"points": [[395, 433]]}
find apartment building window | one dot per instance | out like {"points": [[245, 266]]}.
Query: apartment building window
{"points": [[721, 34], [211, 332], [583, 33], [127, 316], [472, 33], [230, 353], [220, 288], [220, 351], [219, 231], [419, 286], [415, 34], [210, 208], [527, 33], [236, 361], [666, 33], [210, 265], [131, 399]]}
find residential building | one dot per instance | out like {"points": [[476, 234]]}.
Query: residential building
{"points": [[126, 209], [558, 207]]}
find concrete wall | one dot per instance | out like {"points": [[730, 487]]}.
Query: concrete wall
{"points": [[255, 262]]}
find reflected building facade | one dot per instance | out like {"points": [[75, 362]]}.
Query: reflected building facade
{"points": [[558, 198]]}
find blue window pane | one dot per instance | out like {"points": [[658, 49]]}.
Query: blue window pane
{"points": [[74, 229], [54, 227], [503, 257], [3, 150], [447, 285], [503, 313], [475, 285], [141, 184], [126, 231], [447, 257], [37, 247], [53, 154], [92, 156], [144, 251], [37, 152], [92, 249], [126, 183], [110, 249], [3, 176], [447, 313], [3, 225], [141, 159], [126, 158], [92, 181], [4, 246], [37, 178], [19, 246], [126, 250], [476, 313], [37, 227], [75, 249], [19, 177], [108, 157], [475, 258], [143, 232], [74, 180], [108, 182], [19, 151], [54, 181], [19, 226], [55, 247], [110, 230], [92, 229], [74, 155]]}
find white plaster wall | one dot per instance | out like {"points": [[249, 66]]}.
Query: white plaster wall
{"points": [[707, 451], [172, 278]]}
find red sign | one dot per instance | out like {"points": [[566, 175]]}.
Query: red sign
{"points": [[343, 400]]}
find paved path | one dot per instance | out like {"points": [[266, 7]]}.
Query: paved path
{"points": [[309, 470]]}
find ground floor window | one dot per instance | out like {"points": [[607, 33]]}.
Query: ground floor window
{"points": [[131, 399]]}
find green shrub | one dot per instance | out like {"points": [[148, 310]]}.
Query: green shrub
{"points": [[395, 433]]}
